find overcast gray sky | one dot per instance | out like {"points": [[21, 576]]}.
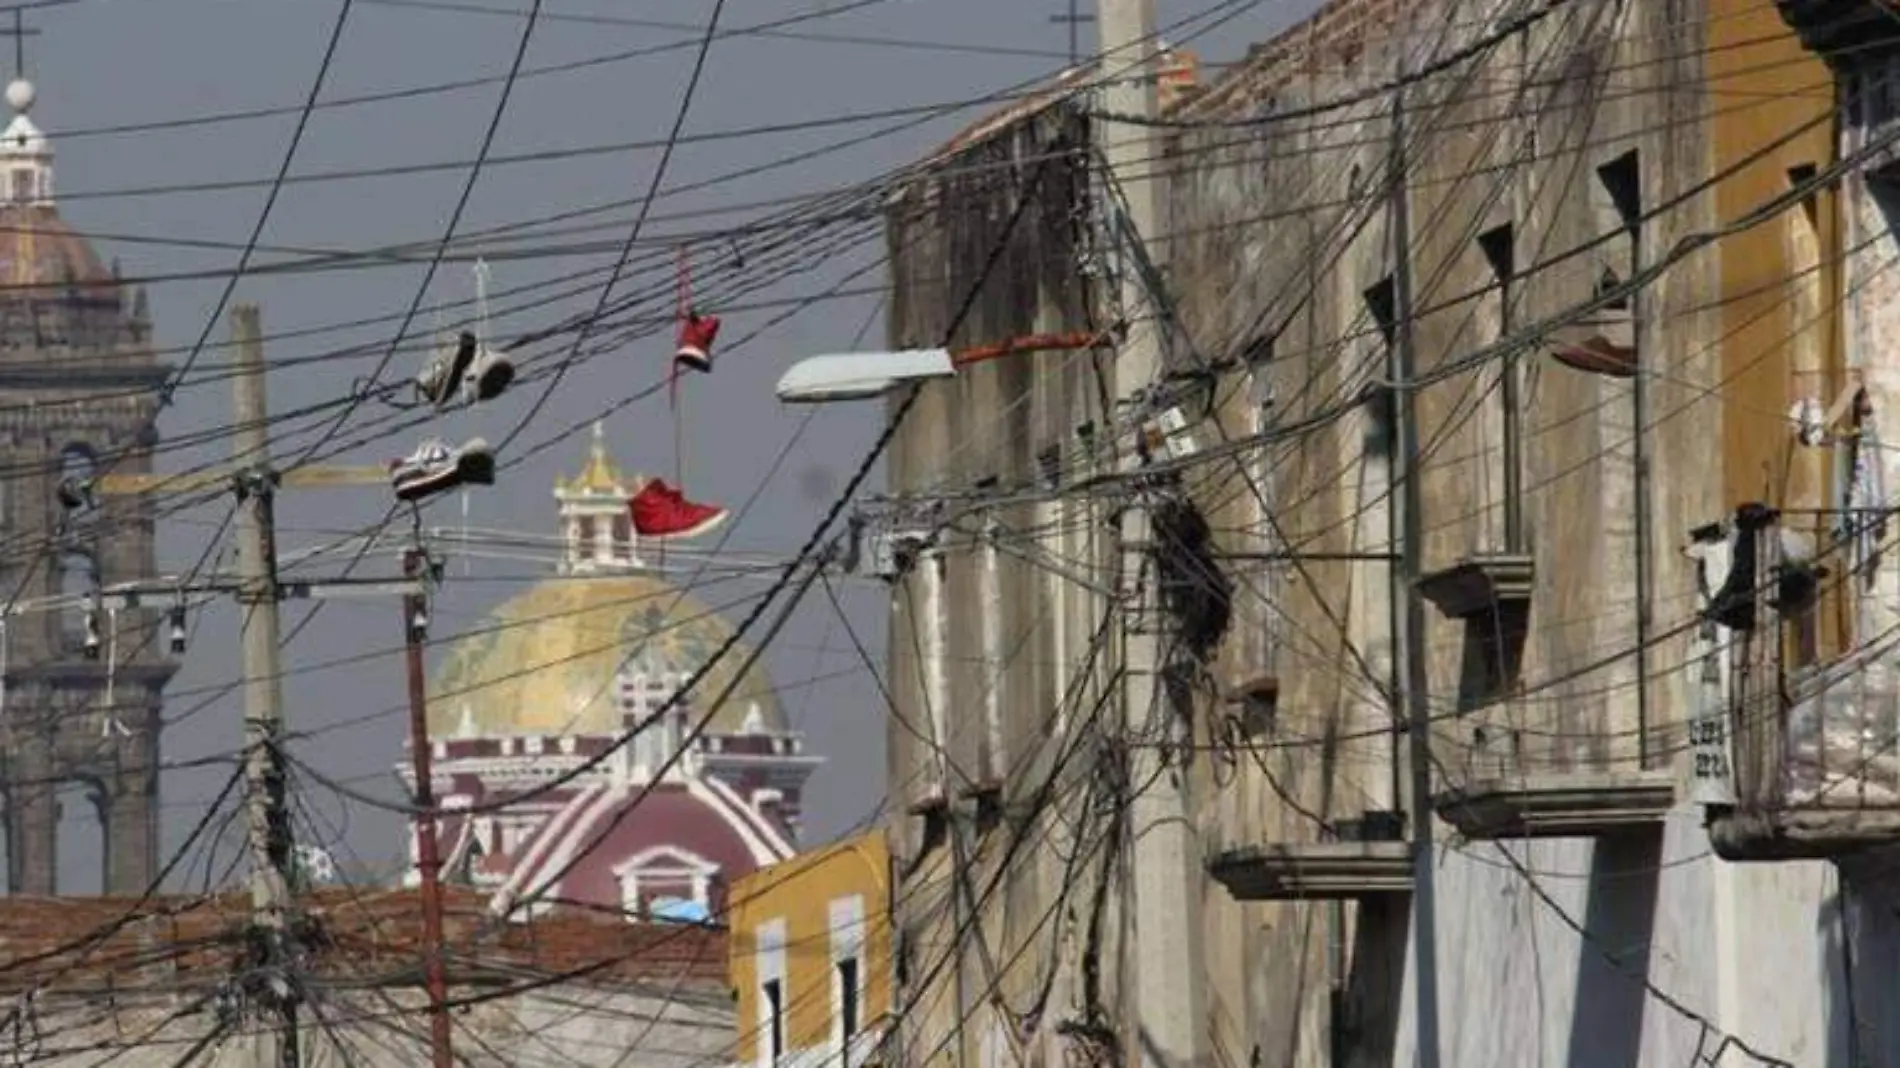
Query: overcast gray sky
{"points": [[106, 63]]}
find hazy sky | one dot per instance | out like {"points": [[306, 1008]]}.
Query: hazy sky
{"points": [[116, 63]]}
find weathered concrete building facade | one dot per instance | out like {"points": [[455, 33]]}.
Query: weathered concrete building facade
{"points": [[1630, 301]]}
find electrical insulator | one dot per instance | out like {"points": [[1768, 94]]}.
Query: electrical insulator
{"points": [[177, 629], [92, 635]]}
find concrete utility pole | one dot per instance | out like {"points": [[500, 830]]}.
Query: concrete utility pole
{"points": [[268, 818], [1169, 1020], [1408, 643], [415, 608], [274, 1041]]}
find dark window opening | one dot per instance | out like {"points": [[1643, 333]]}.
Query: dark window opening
{"points": [[1382, 302], [1259, 352], [587, 538], [1801, 179], [848, 1003], [1622, 180], [1499, 245], [775, 1005]]}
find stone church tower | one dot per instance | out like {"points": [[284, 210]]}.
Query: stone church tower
{"points": [[78, 382]]}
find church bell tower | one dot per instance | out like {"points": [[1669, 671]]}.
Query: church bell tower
{"points": [[79, 388]]}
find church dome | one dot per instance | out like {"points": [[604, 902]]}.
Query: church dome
{"points": [[546, 661], [38, 249], [549, 660]]}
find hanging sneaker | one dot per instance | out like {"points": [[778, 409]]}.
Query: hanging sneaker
{"points": [[435, 467], [441, 379], [489, 374], [696, 337], [659, 511]]}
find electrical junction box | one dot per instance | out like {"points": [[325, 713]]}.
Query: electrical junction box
{"points": [[1167, 435], [890, 552]]}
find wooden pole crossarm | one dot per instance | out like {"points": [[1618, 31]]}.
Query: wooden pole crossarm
{"points": [[312, 476]]}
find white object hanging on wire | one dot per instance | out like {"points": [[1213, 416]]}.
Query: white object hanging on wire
{"points": [[110, 722]]}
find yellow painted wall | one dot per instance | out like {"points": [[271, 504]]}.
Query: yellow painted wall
{"points": [[1772, 109], [800, 891]]}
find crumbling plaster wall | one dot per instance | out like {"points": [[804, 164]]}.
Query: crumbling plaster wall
{"points": [[1014, 716], [1279, 229]]}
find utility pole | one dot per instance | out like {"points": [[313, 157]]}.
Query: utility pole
{"points": [[1408, 643], [1169, 1021], [267, 817], [259, 591], [415, 615]]}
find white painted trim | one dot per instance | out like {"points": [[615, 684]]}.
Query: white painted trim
{"points": [[571, 842], [769, 965], [936, 665], [847, 927], [761, 839], [553, 851], [685, 861], [991, 617]]}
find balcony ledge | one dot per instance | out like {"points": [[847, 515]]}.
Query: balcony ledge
{"points": [[1479, 584], [1849, 34], [1559, 804], [1800, 833], [1314, 871]]}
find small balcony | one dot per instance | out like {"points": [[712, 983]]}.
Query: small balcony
{"points": [[1367, 857], [1815, 771], [1797, 763], [1580, 804], [1508, 792], [1851, 35]]}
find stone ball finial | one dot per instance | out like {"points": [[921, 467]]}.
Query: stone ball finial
{"points": [[21, 95]]}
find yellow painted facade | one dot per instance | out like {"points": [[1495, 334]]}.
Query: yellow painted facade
{"points": [[1772, 113], [800, 930]]}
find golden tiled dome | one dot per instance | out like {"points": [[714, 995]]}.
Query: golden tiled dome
{"points": [[545, 662]]}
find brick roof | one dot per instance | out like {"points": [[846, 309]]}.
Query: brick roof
{"points": [[50, 943]]}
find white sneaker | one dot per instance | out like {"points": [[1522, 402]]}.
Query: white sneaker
{"points": [[435, 468]]}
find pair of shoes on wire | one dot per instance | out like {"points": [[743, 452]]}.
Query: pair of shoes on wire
{"points": [[660, 511], [466, 371], [437, 467]]}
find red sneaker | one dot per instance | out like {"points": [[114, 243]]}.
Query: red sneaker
{"points": [[659, 511], [696, 337]]}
